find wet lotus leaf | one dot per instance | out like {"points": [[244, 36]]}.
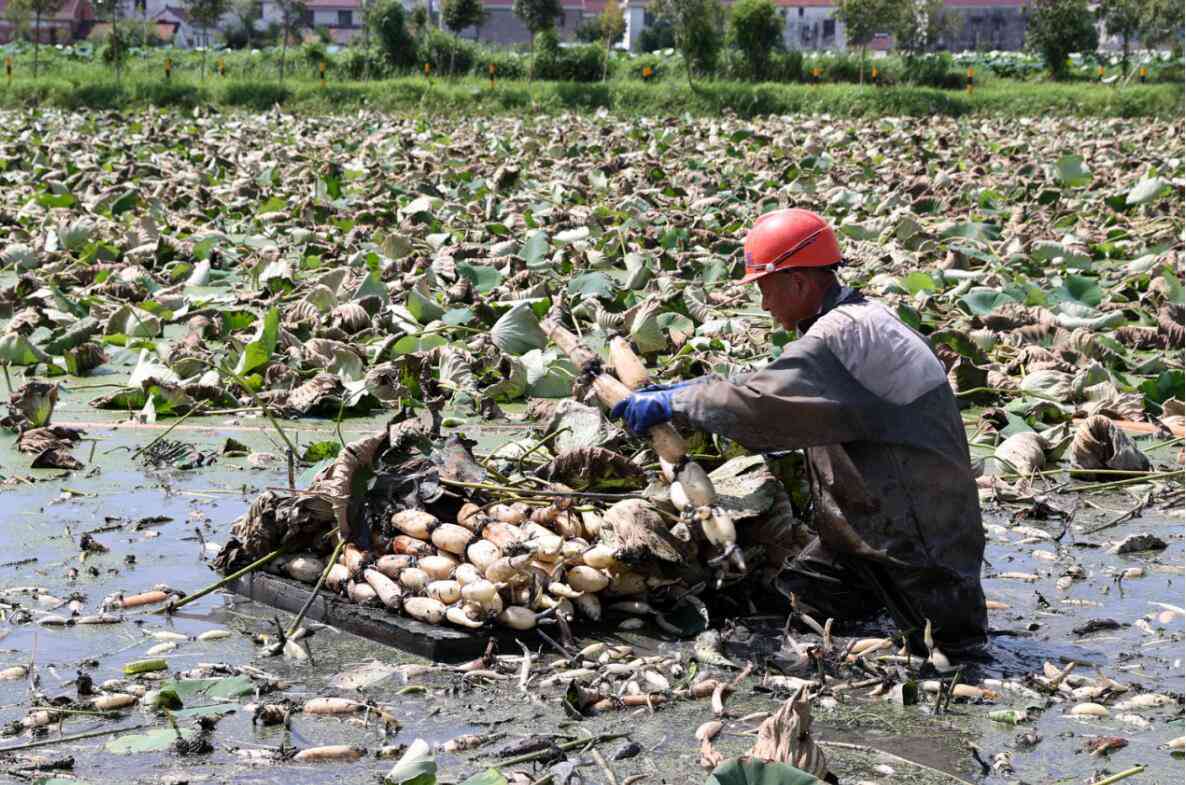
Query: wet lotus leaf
{"points": [[416, 767], [1146, 191], [535, 249], [517, 331], [155, 740], [319, 451], [750, 771], [484, 279], [259, 351], [421, 303], [133, 322], [16, 349], [487, 777], [148, 366], [1071, 171], [74, 335], [217, 689], [593, 284]]}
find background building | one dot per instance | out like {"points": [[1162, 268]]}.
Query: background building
{"points": [[72, 23]]}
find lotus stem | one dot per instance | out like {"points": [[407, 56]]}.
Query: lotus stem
{"points": [[76, 737], [1121, 775], [255, 565]]}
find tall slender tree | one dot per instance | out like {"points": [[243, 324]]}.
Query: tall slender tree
{"points": [[38, 10], [293, 16], [612, 23], [205, 14], [537, 16], [458, 15], [1059, 27], [864, 19], [113, 11], [919, 27], [698, 28]]}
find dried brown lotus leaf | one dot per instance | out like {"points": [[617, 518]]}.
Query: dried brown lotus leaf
{"points": [[1099, 444], [641, 537], [1025, 452], [785, 737], [1169, 321], [1011, 316], [32, 405], [337, 484], [1031, 333], [322, 389], [350, 317], [1138, 337], [585, 467]]}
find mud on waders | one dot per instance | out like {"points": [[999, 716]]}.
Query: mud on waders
{"points": [[796, 239]]}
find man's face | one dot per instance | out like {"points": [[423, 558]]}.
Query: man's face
{"points": [[786, 296]]}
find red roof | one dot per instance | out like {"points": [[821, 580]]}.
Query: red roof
{"points": [[71, 10]]}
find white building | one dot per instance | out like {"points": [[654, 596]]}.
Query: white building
{"points": [[810, 24]]}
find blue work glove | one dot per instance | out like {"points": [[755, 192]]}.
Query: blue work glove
{"points": [[644, 410]]}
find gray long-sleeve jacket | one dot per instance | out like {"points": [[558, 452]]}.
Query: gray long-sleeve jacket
{"points": [[886, 449]]}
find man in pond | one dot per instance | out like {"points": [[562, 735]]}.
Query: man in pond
{"points": [[895, 504]]}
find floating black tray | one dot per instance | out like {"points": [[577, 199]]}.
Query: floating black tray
{"points": [[438, 643]]}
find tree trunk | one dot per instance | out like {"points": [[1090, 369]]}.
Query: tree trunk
{"points": [[862, 81], [1124, 57], [605, 64], [36, 42], [115, 45], [205, 49], [531, 68], [284, 47]]}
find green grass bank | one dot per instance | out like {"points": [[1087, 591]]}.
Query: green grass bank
{"points": [[471, 96]]}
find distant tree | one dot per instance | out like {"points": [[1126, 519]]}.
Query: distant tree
{"points": [[656, 36], [293, 15], [864, 19], [246, 13], [205, 14], [697, 26], [386, 19], [418, 20], [537, 16], [755, 28], [589, 30], [458, 15], [37, 10], [113, 11], [1059, 27], [920, 26], [611, 25], [1163, 23], [19, 17], [1123, 19]]}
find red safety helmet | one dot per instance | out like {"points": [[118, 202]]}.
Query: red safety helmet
{"points": [[784, 239]]}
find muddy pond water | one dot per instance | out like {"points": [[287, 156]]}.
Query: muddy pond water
{"points": [[43, 521]]}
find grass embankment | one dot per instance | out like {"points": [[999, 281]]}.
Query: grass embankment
{"points": [[474, 96]]}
